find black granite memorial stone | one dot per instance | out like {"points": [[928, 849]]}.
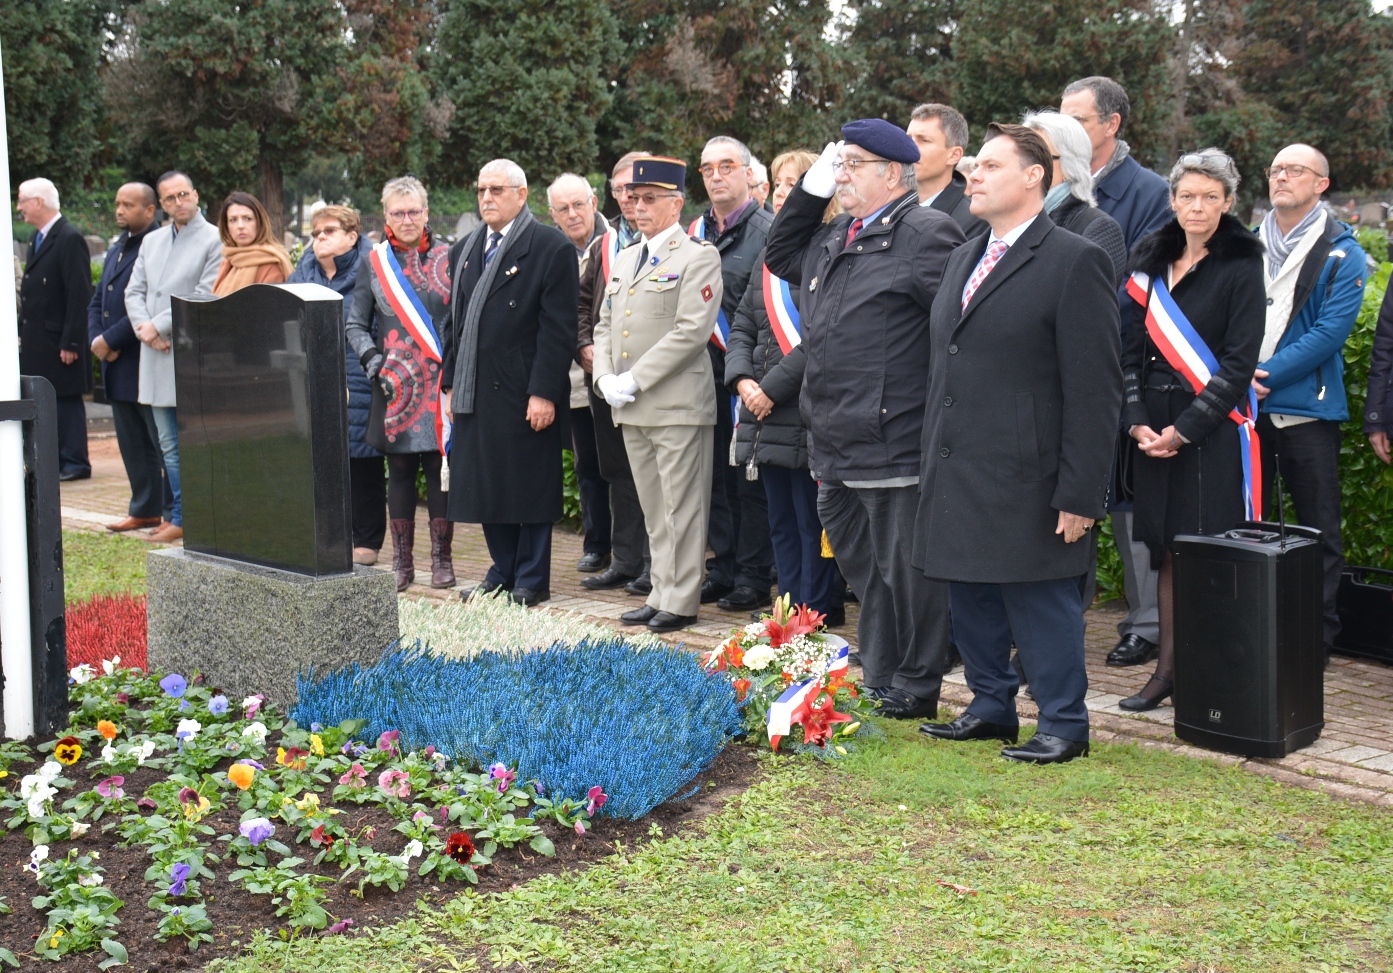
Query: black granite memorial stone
{"points": [[263, 427]]}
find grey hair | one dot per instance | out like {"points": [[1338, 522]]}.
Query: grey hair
{"points": [[509, 169], [405, 185], [572, 178], [1109, 97], [1073, 147], [42, 189], [1206, 162], [950, 122], [908, 180], [740, 147], [761, 171]]}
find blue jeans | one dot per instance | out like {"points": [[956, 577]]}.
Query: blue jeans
{"points": [[167, 422]]}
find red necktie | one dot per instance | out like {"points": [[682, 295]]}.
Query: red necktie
{"points": [[851, 232], [989, 260]]}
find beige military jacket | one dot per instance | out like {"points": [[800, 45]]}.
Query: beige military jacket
{"points": [[656, 324]]}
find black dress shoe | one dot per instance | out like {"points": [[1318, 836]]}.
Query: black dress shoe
{"points": [[529, 596], [899, 704], [590, 563], [68, 476], [639, 616], [969, 727], [715, 591], [642, 585], [481, 589], [835, 618], [607, 579], [853, 657], [874, 693], [743, 598], [1156, 689], [1044, 748], [1132, 650], [668, 622]]}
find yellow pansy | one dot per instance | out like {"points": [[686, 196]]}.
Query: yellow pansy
{"points": [[316, 745]]}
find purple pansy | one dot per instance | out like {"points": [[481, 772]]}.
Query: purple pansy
{"points": [[174, 684], [502, 776], [111, 787], [217, 705], [179, 875], [257, 830]]}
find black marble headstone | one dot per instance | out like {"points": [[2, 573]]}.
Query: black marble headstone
{"points": [[263, 427]]}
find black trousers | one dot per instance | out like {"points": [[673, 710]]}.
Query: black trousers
{"points": [[1308, 457], [738, 533], [521, 556], [401, 485], [139, 442], [367, 489], [72, 435], [795, 532], [628, 535], [594, 490]]}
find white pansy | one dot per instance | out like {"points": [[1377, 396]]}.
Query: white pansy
{"points": [[36, 805], [257, 732], [412, 849], [188, 729], [39, 854], [759, 657], [81, 674], [90, 880], [50, 771], [142, 754], [108, 753], [109, 665], [78, 829]]}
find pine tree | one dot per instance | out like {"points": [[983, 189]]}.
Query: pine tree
{"points": [[903, 52]]}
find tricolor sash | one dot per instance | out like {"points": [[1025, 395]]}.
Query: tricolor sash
{"points": [[797, 698], [783, 313], [608, 249], [1186, 352], [722, 332], [414, 317]]}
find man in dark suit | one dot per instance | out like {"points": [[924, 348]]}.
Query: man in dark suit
{"points": [[53, 321], [505, 370], [1022, 414], [940, 132], [115, 344]]}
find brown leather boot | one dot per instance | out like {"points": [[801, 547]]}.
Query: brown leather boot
{"points": [[403, 539], [442, 565]]}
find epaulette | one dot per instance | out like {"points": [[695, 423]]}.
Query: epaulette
{"points": [[704, 243]]}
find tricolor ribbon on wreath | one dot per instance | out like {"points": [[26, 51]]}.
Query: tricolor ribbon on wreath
{"points": [[1186, 352], [795, 702], [412, 314], [784, 319], [722, 332]]}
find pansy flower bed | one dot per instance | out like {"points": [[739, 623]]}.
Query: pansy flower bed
{"points": [[169, 820]]}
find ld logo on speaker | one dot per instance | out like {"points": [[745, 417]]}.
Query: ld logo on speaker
{"points": [[1216, 716]]}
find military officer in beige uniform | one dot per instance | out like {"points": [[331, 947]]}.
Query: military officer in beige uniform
{"points": [[652, 368]]}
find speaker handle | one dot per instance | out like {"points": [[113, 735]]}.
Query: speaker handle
{"points": [[1281, 504]]}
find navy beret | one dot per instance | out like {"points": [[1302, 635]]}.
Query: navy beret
{"points": [[882, 138]]}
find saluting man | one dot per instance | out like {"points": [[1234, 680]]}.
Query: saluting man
{"points": [[652, 368]]}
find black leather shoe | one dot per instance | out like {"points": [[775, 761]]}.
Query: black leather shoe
{"points": [[1156, 689], [591, 563], [969, 727], [639, 616], [607, 579], [1132, 650], [67, 476], [853, 657], [715, 591], [835, 618], [642, 585], [899, 704], [480, 589], [743, 598], [668, 622], [529, 596], [1043, 748]]}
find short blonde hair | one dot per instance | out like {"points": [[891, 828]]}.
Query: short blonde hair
{"points": [[804, 160], [346, 215], [402, 186]]}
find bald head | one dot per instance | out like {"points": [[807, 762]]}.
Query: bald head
{"points": [[1299, 174], [135, 207]]}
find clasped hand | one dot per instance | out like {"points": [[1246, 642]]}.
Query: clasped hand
{"points": [[149, 334], [754, 398], [617, 389], [1158, 445]]}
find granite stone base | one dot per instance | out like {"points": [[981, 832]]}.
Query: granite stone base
{"points": [[252, 629]]}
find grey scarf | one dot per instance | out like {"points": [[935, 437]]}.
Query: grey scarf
{"points": [[1279, 247], [467, 354], [1119, 155]]}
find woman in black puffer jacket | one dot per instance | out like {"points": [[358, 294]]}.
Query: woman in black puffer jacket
{"points": [[770, 441]]}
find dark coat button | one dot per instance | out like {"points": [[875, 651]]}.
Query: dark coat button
{"points": [[1269, 302], [947, 400], [943, 452], [952, 349], [495, 385]]}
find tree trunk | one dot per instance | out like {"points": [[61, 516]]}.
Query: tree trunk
{"points": [[272, 194]]}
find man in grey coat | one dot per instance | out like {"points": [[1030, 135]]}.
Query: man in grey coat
{"points": [[182, 257]]}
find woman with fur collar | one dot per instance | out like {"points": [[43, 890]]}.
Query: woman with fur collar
{"points": [[1188, 473]]}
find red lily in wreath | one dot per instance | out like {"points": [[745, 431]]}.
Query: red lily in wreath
{"points": [[788, 623], [818, 721]]}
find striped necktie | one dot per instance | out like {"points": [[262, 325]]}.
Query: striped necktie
{"points": [[989, 261], [494, 239]]}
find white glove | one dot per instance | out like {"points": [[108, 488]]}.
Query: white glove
{"points": [[610, 388], [627, 385], [821, 179]]}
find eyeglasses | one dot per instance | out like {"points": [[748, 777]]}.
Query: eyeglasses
{"points": [[1290, 171], [404, 215], [179, 197], [570, 208], [724, 168], [851, 165], [618, 192], [650, 199], [495, 190], [325, 231]]}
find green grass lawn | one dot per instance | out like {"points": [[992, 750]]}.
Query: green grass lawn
{"points": [[1131, 860], [102, 564]]}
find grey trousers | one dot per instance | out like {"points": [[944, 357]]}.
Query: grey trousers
{"points": [[903, 632], [1138, 580], [672, 473]]}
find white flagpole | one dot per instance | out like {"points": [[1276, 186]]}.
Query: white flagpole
{"points": [[15, 648]]}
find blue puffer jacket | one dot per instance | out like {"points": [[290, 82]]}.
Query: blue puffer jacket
{"points": [[1307, 371], [359, 391]]}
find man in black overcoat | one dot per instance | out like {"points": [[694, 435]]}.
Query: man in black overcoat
{"points": [[505, 371], [1023, 406], [53, 318]]}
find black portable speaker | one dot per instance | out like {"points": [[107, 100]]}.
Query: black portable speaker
{"points": [[1366, 613], [1249, 665]]}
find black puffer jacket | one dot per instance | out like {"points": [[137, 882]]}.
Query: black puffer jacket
{"points": [[754, 352]]}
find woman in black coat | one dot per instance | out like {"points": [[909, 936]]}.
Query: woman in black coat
{"points": [[1188, 473], [1378, 406]]}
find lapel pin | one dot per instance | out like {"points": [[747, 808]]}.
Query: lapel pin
{"points": [[884, 220], [813, 285], [511, 270]]}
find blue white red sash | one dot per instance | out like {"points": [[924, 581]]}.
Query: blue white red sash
{"points": [[722, 332], [1186, 352], [414, 317], [797, 697], [608, 248], [784, 319]]}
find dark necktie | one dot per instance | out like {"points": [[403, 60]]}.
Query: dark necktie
{"points": [[494, 239], [642, 261], [851, 232], [38, 238]]}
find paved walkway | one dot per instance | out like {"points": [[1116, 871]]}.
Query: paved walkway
{"points": [[1353, 757]]}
